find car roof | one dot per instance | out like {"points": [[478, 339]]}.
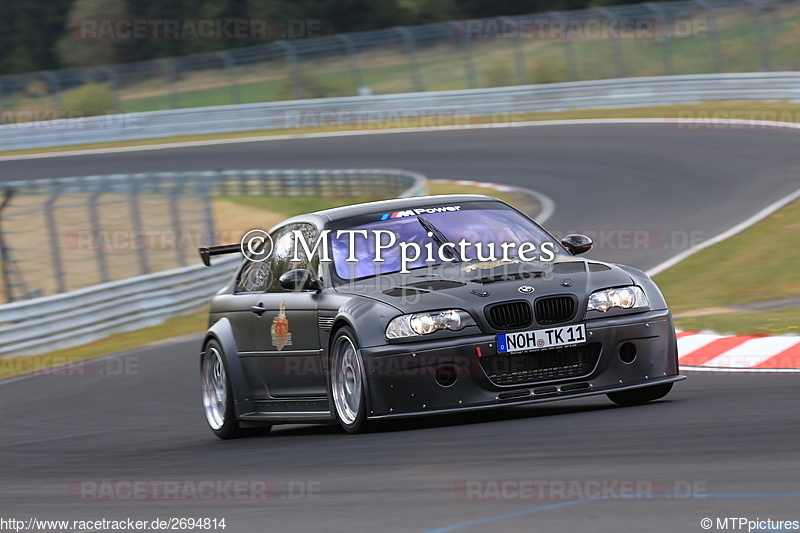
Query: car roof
{"points": [[348, 211], [323, 217]]}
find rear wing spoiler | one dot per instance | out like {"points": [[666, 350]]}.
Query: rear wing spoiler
{"points": [[207, 252]]}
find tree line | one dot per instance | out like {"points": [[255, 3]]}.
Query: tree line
{"points": [[46, 34]]}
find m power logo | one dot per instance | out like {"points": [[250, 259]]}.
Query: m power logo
{"points": [[420, 211]]}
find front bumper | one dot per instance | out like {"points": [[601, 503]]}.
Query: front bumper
{"points": [[448, 375]]}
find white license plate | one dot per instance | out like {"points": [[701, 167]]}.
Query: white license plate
{"points": [[540, 339]]}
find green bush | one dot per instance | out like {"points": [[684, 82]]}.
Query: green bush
{"points": [[90, 98]]}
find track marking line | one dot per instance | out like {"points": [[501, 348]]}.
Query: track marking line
{"points": [[479, 521], [735, 230]]}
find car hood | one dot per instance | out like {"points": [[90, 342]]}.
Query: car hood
{"points": [[476, 284]]}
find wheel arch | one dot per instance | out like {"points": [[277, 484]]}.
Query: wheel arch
{"points": [[367, 317], [222, 333], [339, 324]]}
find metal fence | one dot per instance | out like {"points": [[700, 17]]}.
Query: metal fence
{"points": [[59, 235], [79, 317], [651, 39], [445, 109]]}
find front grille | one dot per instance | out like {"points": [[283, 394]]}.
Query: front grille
{"points": [[554, 309], [510, 315], [544, 365]]}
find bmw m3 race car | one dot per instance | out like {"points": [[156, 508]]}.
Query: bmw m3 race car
{"points": [[427, 305]]}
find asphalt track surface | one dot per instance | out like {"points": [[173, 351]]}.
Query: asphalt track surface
{"points": [[731, 440]]}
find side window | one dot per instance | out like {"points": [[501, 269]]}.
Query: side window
{"points": [[284, 251], [254, 277], [264, 276]]}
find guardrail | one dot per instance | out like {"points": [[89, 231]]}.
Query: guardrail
{"points": [[448, 108], [72, 318], [86, 315]]}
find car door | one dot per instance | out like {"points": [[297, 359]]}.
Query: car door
{"points": [[240, 308], [237, 307], [286, 336]]}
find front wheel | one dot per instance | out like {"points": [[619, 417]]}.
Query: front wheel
{"points": [[348, 382], [217, 393], [640, 396]]}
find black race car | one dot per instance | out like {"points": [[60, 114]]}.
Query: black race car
{"points": [[428, 305]]}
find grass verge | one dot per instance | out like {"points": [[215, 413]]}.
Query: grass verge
{"points": [[761, 263], [119, 342], [783, 322]]}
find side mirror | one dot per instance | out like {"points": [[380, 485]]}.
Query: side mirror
{"points": [[299, 279], [576, 243]]}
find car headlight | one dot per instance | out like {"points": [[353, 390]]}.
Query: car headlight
{"points": [[419, 324], [624, 298]]}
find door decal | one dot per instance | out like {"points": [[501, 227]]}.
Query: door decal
{"points": [[280, 329]]}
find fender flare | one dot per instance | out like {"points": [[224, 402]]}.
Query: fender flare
{"points": [[222, 332]]}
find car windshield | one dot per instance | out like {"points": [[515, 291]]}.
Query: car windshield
{"points": [[483, 229]]}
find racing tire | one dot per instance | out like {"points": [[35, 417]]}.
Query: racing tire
{"points": [[347, 382], [217, 393]]}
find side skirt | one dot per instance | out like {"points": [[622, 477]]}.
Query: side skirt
{"points": [[294, 409]]}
